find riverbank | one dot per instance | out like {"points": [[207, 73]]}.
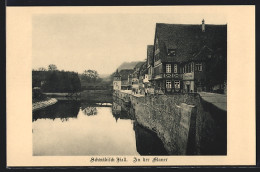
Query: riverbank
{"points": [[62, 94], [43, 104]]}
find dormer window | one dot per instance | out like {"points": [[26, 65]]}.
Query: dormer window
{"points": [[171, 52], [199, 67]]}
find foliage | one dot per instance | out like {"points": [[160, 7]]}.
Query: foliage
{"points": [[56, 81], [52, 67], [37, 95], [90, 80], [90, 75]]}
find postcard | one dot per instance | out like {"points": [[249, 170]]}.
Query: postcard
{"points": [[131, 86]]}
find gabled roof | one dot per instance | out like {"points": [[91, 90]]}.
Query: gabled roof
{"points": [[139, 65], [188, 40], [150, 54], [117, 74], [143, 69], [138, 68], [125, 72]]}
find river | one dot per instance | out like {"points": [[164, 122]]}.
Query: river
{"points": [[86, 128]]}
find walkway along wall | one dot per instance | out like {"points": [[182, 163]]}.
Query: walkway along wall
{"points": [[186, 124]]}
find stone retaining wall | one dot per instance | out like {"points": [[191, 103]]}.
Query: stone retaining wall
{"points": [[185, 123]]}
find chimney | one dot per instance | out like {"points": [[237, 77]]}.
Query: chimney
{"points": [[203, 25]]}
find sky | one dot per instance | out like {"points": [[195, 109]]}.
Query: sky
{"points": [[78, 42]]}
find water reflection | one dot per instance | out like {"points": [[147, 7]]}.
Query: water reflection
{"points": [[91, 128], [62, 110], [121, 113], [147, 142]]}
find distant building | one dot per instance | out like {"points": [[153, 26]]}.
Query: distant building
{"points": [[126, 78], [150, 61], [137, 79], [117, 81], [123, 79], [187, 58]]}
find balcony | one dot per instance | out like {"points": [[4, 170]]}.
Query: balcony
{"points": [[172, 75], [168, 76], [188, 76]]}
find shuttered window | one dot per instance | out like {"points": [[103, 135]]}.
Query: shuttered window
{"points": [[175, 68], [168, 84], [168, 68], [177, 84]]}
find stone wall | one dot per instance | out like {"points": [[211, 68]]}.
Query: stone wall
{"points": [[186, 124]]}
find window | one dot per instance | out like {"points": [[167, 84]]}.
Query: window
{"points": [[168, 84], [177, 84], [199, 66], [168, 68], [175, 68], [171, 52]]}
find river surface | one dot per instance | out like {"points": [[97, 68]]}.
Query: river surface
{"points": [[85, 128]]}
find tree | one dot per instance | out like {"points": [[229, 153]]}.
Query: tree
{"points": [[52, 67], [90, 75], [63, 82]]}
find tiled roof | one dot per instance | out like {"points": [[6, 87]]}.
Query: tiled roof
{"points": [[189, 40]]}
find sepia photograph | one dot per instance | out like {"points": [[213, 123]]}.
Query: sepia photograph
{"points": [[164, 93], [131, 85]]}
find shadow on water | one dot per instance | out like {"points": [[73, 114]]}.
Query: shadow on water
{"points": [[62, 109], [120, 112], [147, 141]]}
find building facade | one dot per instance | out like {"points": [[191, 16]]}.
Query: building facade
{"points": [[117, 81], [187, 58]]}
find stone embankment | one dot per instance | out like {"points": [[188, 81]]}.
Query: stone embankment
{"points": [[43, 104], [186, 123]]}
